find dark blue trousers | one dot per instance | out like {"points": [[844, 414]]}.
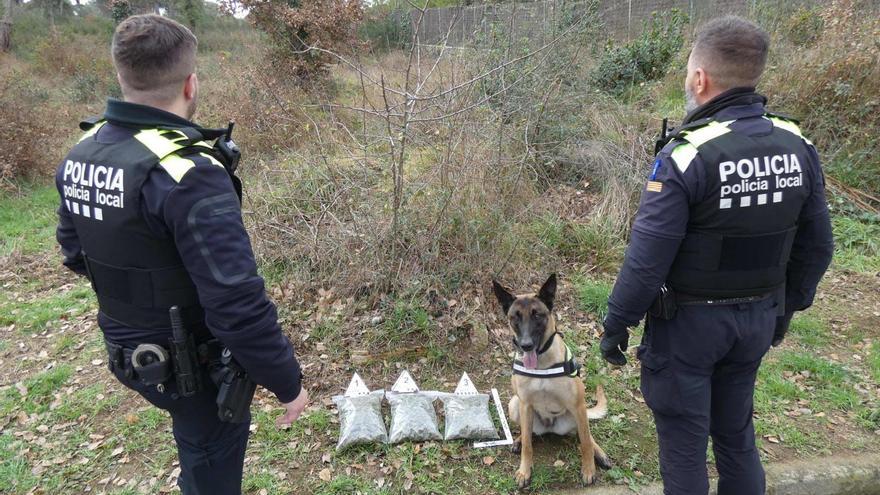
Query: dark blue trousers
{"points": [[698, 378], [211, 452]]}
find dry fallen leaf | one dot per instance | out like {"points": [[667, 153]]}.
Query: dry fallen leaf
{"points": [[488, 460], [325, 474], [559, 463]]}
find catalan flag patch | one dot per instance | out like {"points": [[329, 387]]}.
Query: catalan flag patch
{"points": [[655, 186]]}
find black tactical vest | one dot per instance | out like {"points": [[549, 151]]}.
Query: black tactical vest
{"points": [[136, 274], [739, 238]]}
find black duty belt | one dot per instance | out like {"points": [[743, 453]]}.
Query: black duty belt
{"points": [[151, 364], [692, 300]]}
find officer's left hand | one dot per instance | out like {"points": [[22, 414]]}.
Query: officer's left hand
{"points": [[782, 323], [614, 344], [293, 409]]}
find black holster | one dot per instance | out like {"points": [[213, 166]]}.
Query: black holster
{"points": [[235, 389], [664, 306]]}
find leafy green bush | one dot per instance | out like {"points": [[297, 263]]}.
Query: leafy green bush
{"points": [[644, 59], [386, 29]]}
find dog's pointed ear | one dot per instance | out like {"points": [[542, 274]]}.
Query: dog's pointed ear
{"points": [[548, 292], [505, 298]]}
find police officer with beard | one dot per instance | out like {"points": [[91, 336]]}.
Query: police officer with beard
{"points": [[731, 238], [150, 212]]}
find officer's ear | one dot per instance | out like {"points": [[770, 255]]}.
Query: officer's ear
{"points": [[191, 87], [701, 81]]}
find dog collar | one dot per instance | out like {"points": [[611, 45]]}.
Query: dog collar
{"points": [[569, 367]]}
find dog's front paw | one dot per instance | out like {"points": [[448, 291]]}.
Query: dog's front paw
{"points": [[523, 478], [587, 478], [603, 461], [516, 448]]}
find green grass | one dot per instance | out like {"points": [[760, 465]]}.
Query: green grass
{"points": [[857, 243], [40, 390], [27, 220], [15, 472], [594, 242], [90, 401], [36, 315], [874, 361], [593, 295], [406, 319], [828, 388], [809, 329]]}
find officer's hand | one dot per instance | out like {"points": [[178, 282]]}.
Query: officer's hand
{"points": [[293, 409], [782, 323], [614, 344]]}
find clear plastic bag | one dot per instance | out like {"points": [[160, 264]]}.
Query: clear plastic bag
{"points": [[412, 417], [360, 419], [467, 417]]}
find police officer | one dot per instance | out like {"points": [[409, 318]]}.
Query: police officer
{"points": [[150, 212], [734, 227]]}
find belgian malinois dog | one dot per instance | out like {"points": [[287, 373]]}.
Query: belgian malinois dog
{"points": [[541, 404]]}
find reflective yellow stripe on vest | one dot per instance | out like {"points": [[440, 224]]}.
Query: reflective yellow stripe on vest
{"points": [[684, 153], [157, 143], [176, 166], [710, 131], [164, 144], [789, 126]]}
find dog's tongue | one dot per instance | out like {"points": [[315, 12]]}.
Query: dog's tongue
{"points": [[530, 360]]}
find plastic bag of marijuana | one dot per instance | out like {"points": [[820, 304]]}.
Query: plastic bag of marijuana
{"points": [[360, 419], [467, 416], [412, 417]]}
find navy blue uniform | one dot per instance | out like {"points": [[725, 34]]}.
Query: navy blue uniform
{"points": [[216, 253], [699, 368]]}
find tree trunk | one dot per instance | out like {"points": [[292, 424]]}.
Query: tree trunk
{"points": [[6, 27]]}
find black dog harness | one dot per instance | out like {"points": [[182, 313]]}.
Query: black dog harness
{"points": [[569, 367]]}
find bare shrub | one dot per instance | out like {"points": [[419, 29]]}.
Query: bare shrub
{"points": [[430, 166], [24, 131], [295, 25]]}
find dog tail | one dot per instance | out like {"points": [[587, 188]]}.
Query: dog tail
{"points": [[601, 408]]}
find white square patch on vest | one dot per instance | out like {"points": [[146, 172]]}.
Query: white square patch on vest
{"points": [[777, 197], [76, 208], [725, 203], [762, 199], [745, 201], [67, 202], [86, 212], [99, 214]]}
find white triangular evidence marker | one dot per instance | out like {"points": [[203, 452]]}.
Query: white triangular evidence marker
{"points": [[405, 383], [465, 386], [356, 387]]}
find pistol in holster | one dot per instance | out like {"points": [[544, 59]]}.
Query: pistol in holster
{"points": [[235, 389], [664, 306]]}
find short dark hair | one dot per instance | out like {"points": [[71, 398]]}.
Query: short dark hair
{"points": [[732, 50], [153, 54]]}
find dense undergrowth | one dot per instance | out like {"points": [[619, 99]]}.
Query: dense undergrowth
{"points": [[511, 161]]}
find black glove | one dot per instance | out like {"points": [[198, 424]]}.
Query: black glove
{"points": [[782, 323], [615, 340]]}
